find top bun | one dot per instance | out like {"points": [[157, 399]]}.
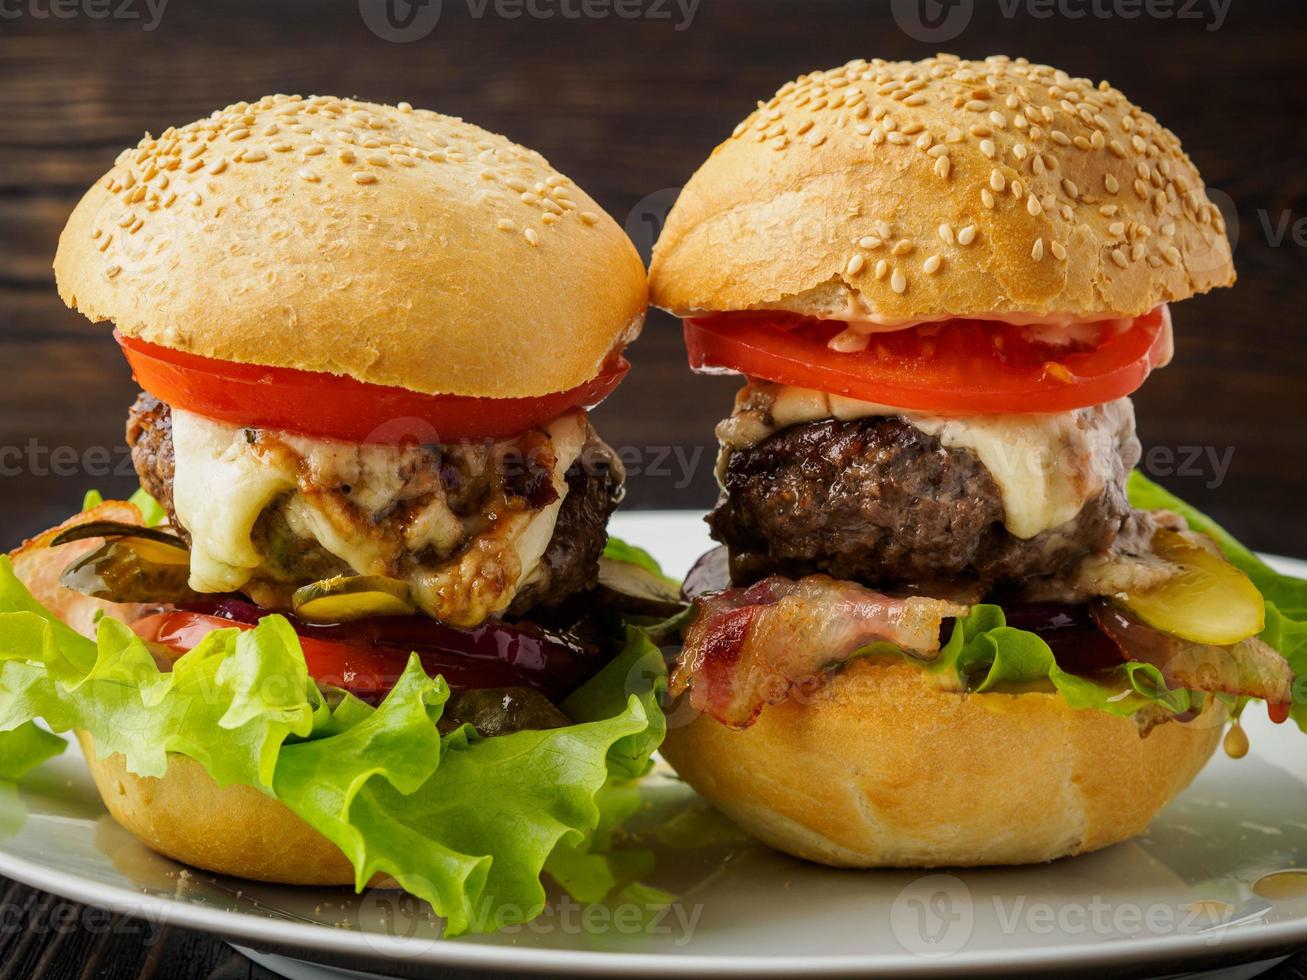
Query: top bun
{"points": [[910, 190], [394, 245]]}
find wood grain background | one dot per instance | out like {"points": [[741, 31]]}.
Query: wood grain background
{"points": [[629, 108]]}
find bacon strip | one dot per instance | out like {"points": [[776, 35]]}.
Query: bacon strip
{"points": [[38, 567], [1249, 668], [749, 648]]}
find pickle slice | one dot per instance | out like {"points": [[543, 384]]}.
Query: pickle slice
{"points": [[132, 570], [1210, 601], [345, 597], [637, 590]]}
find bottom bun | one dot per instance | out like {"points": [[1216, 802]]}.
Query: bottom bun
{"points": [[236, 830], [880, 767]]}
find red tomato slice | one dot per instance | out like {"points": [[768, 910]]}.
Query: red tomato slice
{"points": [[956, 366], [366, 657], [332, 406]]}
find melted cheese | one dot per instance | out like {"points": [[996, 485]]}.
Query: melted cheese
{"points": [[219, 489], [221, 485], [1046, 466]]}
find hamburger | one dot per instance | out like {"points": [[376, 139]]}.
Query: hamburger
{"points": [[358, 624], [947, 623]]}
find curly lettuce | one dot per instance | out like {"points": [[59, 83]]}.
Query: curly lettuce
{"points": [[465, 822]]}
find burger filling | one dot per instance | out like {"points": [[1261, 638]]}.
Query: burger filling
{"points": [[818, 483], [998, 550], [471, 529]]}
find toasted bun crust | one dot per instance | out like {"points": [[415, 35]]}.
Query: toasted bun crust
{"points": [[942, 188], [880, 768], [234, 831], [395, 245]]}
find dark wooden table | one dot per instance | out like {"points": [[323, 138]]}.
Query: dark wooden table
{"points": [[628, 107]]}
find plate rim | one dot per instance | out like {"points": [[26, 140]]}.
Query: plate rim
{"points": [[279, 934]]}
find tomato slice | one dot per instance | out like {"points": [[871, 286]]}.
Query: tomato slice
{"points": [[366, 657], [333, 406], [955, 366]]}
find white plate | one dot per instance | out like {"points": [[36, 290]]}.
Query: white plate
{"points": [[744, 910]]}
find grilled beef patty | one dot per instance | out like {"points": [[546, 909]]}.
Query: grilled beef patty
{"points": [[880, 502]]}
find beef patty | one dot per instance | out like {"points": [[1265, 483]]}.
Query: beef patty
{"points": [[879, 501], [569, 564]]}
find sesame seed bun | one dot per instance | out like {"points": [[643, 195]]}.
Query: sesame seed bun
{"points": [[881, 768], [395, 245], [907, 191], [235, 830]]}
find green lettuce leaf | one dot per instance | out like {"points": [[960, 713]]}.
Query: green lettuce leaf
{"points": [[151, 512], [466, 823], [984, 654], [1286, 596], [24, 748]]}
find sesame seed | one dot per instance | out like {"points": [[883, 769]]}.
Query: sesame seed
{"points": [[943, 167], [1138, 251], [932, 265], [855, 265], [1033, 206], [1037, 252], [104, 242], [1173, 256], [1059, 251], [987, 147], [304, 173], [1119, 258], [997, 181], [946, 233], [882, 269], [898, 282], [254, 156], [314, 150], [362, 177], [987, 198], [404, 107], [870, 242], [589, 217], [113, 271], [217, 167], [346, 156], [532, 237], [381, 160], [903, 247], [967, 235], [1117, 228]]}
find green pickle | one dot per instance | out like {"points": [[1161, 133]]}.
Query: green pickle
{"points": [[345, 597], [1210, 601]]}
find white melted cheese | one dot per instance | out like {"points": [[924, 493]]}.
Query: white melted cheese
{"points": [[1046, 466], [219, 489], [221, 486]]}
